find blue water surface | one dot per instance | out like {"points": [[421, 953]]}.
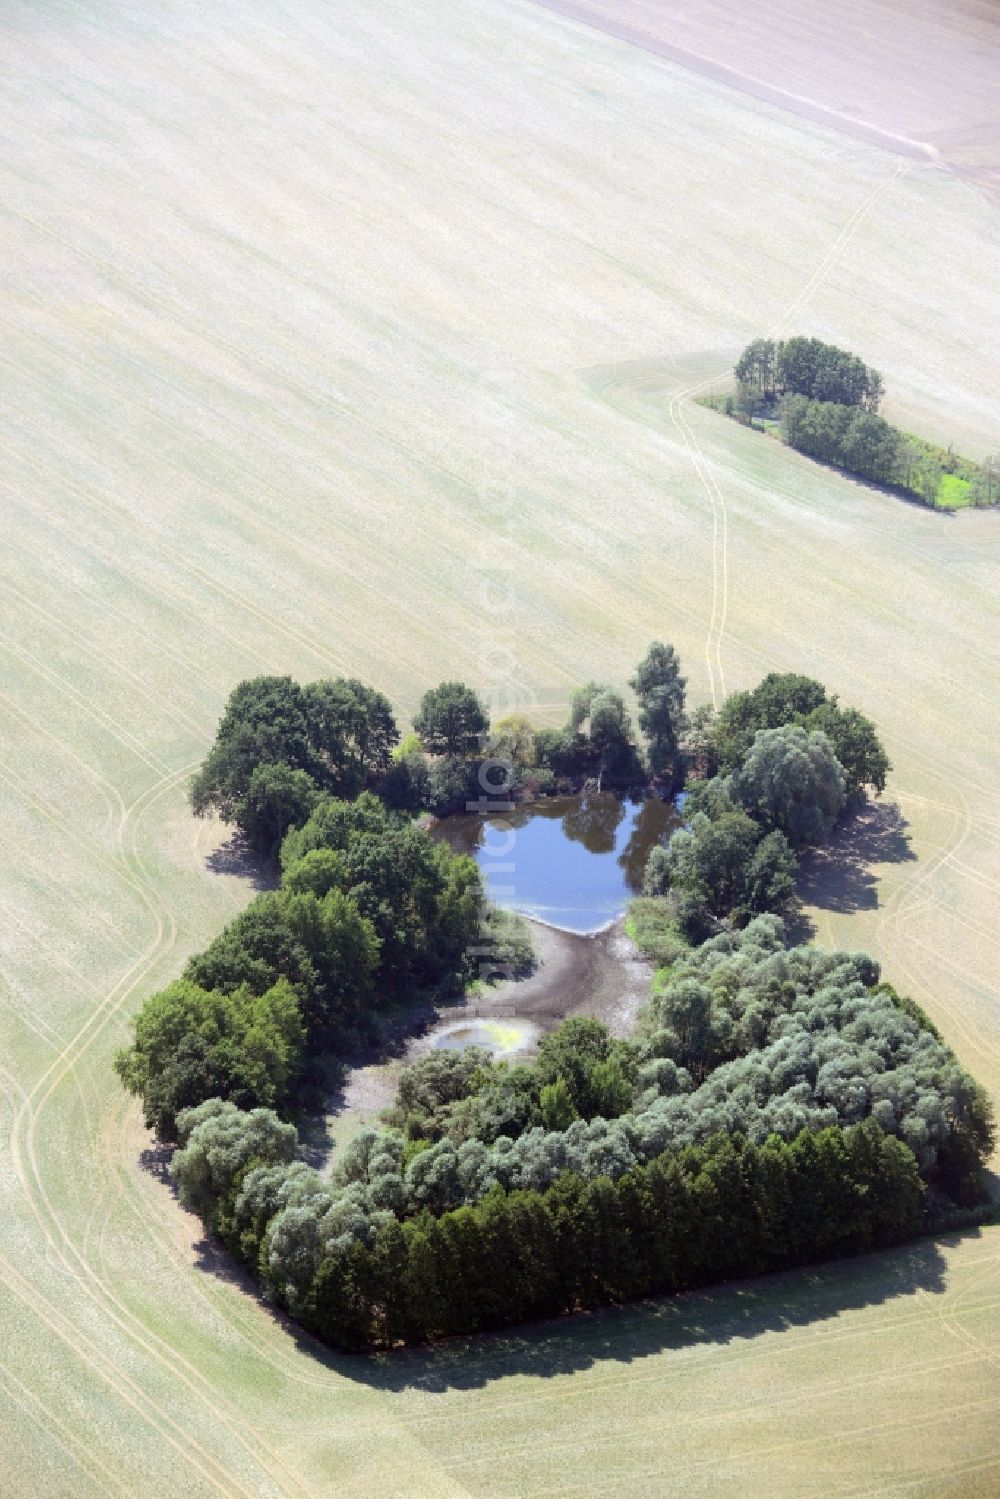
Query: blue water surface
{"points": [[572, 862]]}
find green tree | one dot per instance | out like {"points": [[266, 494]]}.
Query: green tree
{"points": [[781, 698], [452, 783], [822, 372], [451, 720], [985, 489], [595, 1068], [276, 739], [512, 739], [659, 687], [265, 723], [610, 730], [218, 1141], [555, 1105], [756, 369], [770, 882], [792, 782], [352, 732], [564, 752], [580, 702], [191, 1044], [277, 798], [689, 1029], [855, 743], [711, 859]]}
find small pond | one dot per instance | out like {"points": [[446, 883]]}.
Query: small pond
{"points": [[571, 861], [501, 1037]]}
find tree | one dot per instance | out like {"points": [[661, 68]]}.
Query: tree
{"points": [[582, 1054], [564, 752], [689, 1029], [851, 436], [512, 739], [822, 372], [555, 1105], [788, 698], [451, 720], [265, 722], [277, 798], [659, 687], [724, 868], [218, 1140], [855, 743], [985, 488], [191, 1044], [335, 824], [610, 729], [352, 731], [770, 881], [870, 447], [451, 784], [278, 744], [698, 745], [579, 704], [756, 369], [792, 782], [781, 698]]}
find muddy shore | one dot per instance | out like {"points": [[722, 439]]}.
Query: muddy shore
{"points": [[602, 975]]}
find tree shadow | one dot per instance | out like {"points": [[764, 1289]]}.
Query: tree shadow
{"points": [[840, 875], [155, 1160], [800, 929], [625, 1335], [716, 1316], [236, 857], [315, 1140]]}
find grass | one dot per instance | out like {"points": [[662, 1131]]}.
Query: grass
{"points": [[953, 492], [318, 328]]}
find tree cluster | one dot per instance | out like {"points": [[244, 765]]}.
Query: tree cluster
{"points": [[688, 1217], [369, 909], [280, 745], [784, 698], [580, 1072], [789, 699], [597, 740], [807, 367], [828, 401], [853, 439], [775, 1105], [782, 763]]}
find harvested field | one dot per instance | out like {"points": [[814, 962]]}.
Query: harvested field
{"points": [[919, 79], [319, 321]]}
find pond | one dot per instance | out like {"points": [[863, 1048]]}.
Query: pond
{"points": [[571, 861], [501, 1037]]}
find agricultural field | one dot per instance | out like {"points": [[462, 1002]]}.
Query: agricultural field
{"points": [[361, 338], [912, 75]]}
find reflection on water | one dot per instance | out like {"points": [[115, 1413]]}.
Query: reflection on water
{"points": [[572, 861]]}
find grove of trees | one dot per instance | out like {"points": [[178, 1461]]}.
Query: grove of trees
{"points": [[809, 368], [774, 1106], [827, 401], [280, 745], [369, 909], [788, 763]]}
